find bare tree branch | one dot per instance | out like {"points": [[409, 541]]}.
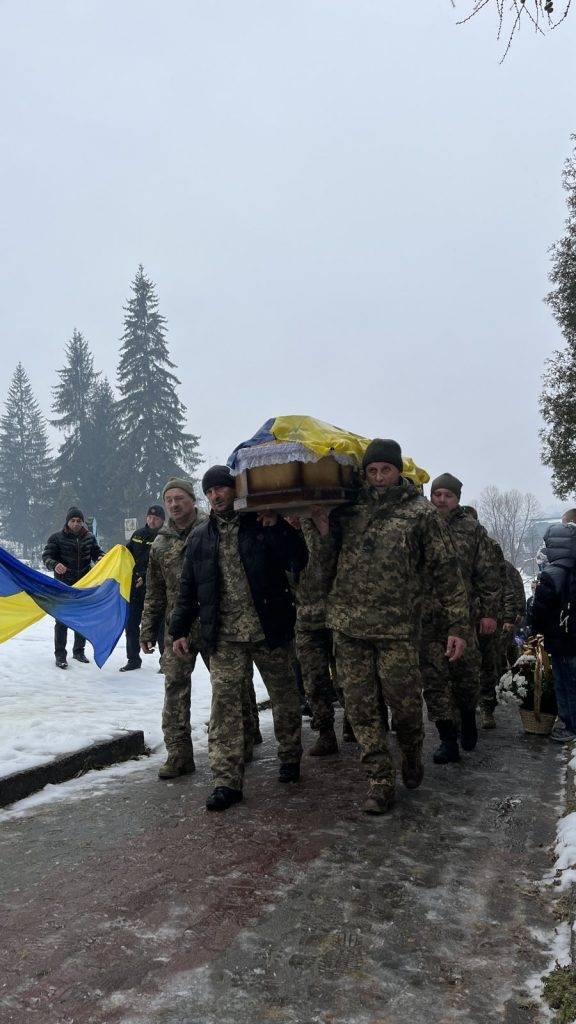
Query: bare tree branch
{"points": [[509, 517]]}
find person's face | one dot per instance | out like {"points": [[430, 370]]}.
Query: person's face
{"points": [[75, 524], [154, 522], [221, 498], [444, 500], [179, 504], [382, 475]]}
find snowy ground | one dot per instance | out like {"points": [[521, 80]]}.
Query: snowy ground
{"points": [[45, 711]]}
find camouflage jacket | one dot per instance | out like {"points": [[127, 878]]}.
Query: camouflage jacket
{"points": [[238, 616], [479, 571], [314, 581], [163, 577], [514, 595], [386, 547], [500, 565]]}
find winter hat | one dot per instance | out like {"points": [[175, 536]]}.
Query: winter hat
{"points": [[182, 482], [383, 450], [74, 513], [217, 476], [156, 510], [447, 482]]}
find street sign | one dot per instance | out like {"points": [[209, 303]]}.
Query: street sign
{"points": [[129, 526]]}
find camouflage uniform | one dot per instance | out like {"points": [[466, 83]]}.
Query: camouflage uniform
{"points": [[240, 643], [386, 544], [452, 687], [162, 588], [489, 645], [514, 611], [314, 642]]}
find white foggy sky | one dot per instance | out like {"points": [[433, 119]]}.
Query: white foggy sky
{"points": [[346, 207]]}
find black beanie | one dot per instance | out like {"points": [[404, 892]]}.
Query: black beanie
{"points": [[74, 513], [217, 476], [383, 450], [156, 510], [447, 482]]}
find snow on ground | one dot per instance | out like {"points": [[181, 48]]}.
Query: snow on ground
{"points": [[45, 711]]}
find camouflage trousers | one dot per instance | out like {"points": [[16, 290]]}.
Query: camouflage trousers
{"points": [[229, 666], [177, 690], [374, 674], [449, 687], [489, 671], [314, 648]]}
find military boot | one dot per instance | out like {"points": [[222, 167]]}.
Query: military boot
{"points": [[448, 751], [289, 772], [412, 770], [175, 766], [347, 731], [379, 800], [487, 719], [222, 798], [257, 737], [326, 743], [468, 728]]}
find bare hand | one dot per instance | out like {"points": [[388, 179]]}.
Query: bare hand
{"points": [[146, 648], [320, 516], [180, 647], [60, 569], [268, 518], [293, 521], [455, 648], [508, 627], [487, 626]]}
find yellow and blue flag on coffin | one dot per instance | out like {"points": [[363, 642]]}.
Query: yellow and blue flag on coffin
{"points": [[97, 606]]}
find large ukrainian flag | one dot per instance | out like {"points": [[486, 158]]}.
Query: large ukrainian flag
{"points": [[97, 606]]}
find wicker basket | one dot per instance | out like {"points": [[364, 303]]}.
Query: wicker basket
{"points": [[538, 726]]}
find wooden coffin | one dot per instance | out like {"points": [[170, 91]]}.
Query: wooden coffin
{"points": [[293, 487]]}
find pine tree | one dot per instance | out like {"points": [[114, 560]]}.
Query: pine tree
{"points": [[26, 468], [73, 398], [154, 443], [558, 399], [103, 488]]}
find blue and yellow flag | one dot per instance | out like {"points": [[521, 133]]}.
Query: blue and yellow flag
{"points": [[97, 606]]}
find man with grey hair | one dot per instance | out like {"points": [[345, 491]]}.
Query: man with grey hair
{"points": [[162, 588]]}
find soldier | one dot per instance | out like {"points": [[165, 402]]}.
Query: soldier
{"points": [[162, 586], [139, 547], [451, 690], [314, 642], [514, 614], [70, 553], [489, 648], [234, 581], [386, 540]]}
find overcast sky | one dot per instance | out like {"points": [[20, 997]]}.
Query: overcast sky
{"points": [[346, 207]]}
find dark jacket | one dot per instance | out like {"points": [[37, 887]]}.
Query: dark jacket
{"points": [[139, 547], [267, 554], [76, 552], [553, 615]]}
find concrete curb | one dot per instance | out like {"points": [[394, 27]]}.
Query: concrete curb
{"points": [[69, 766]]}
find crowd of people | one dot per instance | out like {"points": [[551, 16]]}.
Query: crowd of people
{"points": [[384, 603]]}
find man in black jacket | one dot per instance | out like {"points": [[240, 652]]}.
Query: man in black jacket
{"points": [[234, 581], [70, 553], [139, 547]]}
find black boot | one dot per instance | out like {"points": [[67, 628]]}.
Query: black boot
{"points": [[448, 750], [289, 772], [131, 666], [222, 798], [81, 657], [468, 728]]}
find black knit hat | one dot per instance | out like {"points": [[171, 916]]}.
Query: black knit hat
{"points": [[156, 510], [74, 513], [217, 476], [383, 450], [447, 482]]}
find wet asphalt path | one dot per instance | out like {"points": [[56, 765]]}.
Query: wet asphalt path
{"points": [[137, 907]]}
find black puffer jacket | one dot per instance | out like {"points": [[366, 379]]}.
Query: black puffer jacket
{"points": [[76, 551], [267, 554], [139, 547]]}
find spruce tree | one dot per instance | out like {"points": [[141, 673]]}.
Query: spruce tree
{"points": [[558, 399], [154, 443], [103, 487], [72, 403], [25, 468]]}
